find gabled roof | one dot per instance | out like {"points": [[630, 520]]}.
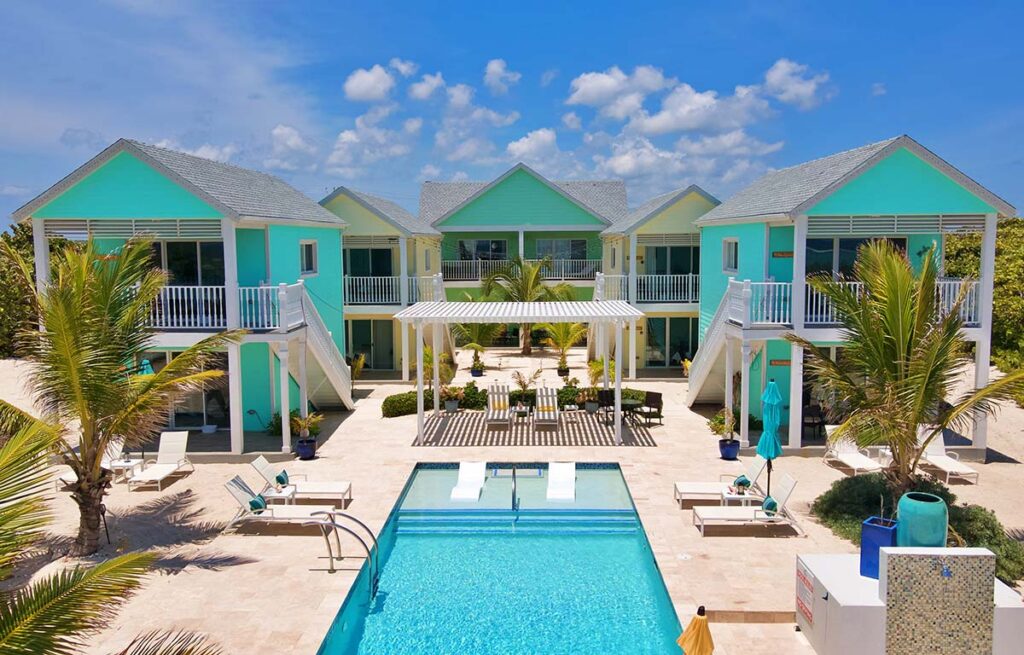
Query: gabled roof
{"points": [[605, 199], [792, 191], [236, 192], [655, 206], [388, 211]]}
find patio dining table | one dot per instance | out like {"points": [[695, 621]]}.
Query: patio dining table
{"points": [[629, 407]]}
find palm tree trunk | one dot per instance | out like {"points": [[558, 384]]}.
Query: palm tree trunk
{"points": [[524, 336], [89, 496]]}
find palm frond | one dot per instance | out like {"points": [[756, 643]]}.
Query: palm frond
{"points": [[171, 643], [23, 477], [56, 614]]}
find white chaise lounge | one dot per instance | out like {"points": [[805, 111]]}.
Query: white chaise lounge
{"points": [[749, 515], [714, 490], [562, 481], [241, 492], [170, 459], [844, 453], [470, 484], [546, 411], [304, 488], [114, 452], [498, 410], [947, 465]]}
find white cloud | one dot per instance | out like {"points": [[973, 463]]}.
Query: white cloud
{"points": [[369, 85], [685, 108], [470, 149], [460, 95], [426, 86], [206, 150], [572, 121], [614, 93], [412, 125], [429, 172], [367, 143], [535, 145], [878, 89], [13, 190], [548, 76], [498, 78], [637, 157], [289, 150], [460, 176], [405, 68], [464, 131], [789, 82], [736, 143]]}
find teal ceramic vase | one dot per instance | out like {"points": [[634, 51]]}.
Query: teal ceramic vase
{"points": [[923, 520]]}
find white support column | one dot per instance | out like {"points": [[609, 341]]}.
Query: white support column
{"points": [[231, 300], [522, 245], [419, 383], [237, 417], [41, 253], [405, 351], [983, 347], [632, 268], [303, 382], [797, 307], [286, 428], [618, 383], [604, 352], [632, 350], [435, 333], [796, 396], [730, 370], [403, 271], [745, 395]]}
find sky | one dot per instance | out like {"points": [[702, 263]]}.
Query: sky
{"points": [[379, 96]]}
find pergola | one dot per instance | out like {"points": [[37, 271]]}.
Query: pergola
{"points": [[600, 314]]}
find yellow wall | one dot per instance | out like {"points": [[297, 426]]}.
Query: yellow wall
{"points": [[678, 218], [361, 221]]}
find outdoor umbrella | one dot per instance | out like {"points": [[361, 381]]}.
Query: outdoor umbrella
{"points": [[696, 638], [768, 445]]}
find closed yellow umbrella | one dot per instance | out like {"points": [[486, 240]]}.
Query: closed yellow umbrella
{"points": [[696, 638]]}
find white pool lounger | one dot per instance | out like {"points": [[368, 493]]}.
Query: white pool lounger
{"points": [[471, 481], [562, 481]]}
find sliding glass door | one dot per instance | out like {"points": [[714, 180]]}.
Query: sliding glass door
{"points": [[374, 340], [670, 340]]}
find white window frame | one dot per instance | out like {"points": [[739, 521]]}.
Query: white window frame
{"points": [[734, 244], [308, 272]]}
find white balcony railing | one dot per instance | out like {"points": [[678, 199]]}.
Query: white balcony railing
{"points": [[190, 308], [373, 290], [259, 308], [616, 287], [570, 269], [470, 269], [668, 288], [421, 288]]}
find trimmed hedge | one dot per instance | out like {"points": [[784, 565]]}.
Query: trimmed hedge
{"points": [[845, 505], [403, 404]]}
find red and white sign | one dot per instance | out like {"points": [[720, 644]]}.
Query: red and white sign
{"points": [[805, 591]]}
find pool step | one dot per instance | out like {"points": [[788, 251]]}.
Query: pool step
{"points": [[527, 521]]}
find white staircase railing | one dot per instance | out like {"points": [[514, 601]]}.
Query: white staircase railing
{"points": [[615, 287], [325, 350], [709, 347]]}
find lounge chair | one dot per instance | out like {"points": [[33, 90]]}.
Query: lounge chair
{"points": [[546, 411], [498, 410], [114, 453], [241, 492], [562, 481], [714, 490], [948, 464], [470, 484], [304, 488], [170, 459], [749, 515], [846, 454], [652, 408]]}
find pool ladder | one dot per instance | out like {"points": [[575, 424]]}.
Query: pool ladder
{"points": [[515, 495], [331, 525]]}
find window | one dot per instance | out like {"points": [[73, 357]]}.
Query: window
{"points": [[486, 249], [562, 248], [426, 261], [612, 262], [730, 255], [307, 257]]}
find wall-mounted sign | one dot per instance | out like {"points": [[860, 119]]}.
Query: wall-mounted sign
{"points": [[782, 254], [778, 362]]}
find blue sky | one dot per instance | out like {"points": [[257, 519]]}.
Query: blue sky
{"points": [[379, 96]]}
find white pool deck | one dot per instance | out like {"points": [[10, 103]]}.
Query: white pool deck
{"points": [[270, 592]]}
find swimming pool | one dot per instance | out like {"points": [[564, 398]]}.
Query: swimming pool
{"points": [[569, 577]]}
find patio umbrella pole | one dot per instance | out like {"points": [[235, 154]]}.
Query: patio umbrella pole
{"points": [[768, 445]]}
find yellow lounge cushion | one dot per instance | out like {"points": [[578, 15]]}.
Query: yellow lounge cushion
{"points": [[546, 408]]}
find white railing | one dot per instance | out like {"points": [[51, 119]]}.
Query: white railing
{"points": [[668, 288], [709, 345], [570, 269], [258, 308], [322, 342], [818, 308], [470, 269], [948, 289], [291, 313], [373, 290], [190, 308], [616, 287], [770, 302]]}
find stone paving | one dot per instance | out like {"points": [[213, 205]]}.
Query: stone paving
{"points": [[269, 592]]}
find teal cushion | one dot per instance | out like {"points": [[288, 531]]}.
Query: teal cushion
{"points": [[741, 482], [258, 504], [282, 478], [770, 505]]}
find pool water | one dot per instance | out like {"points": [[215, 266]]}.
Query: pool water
{"points": [[578, 579]]}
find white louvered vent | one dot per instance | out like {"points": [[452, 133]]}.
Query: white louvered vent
{"points": [[686, 239], [370, 241], [826, 226], [172, 228]]}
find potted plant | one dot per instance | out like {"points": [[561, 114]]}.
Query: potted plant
{"points": [[562, 337], [306, 427], [588, 398], [686, 367], [451, 397], [477, 368], [723, 423], [875, 532]]}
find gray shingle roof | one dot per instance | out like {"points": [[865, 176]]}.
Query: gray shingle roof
{"points": [[245, 192], [390, 211], [639, 215], [782, 191], [604, 198]]}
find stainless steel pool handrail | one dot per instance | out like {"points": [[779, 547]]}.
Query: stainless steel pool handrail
{"points": [[514, 487], [375, 562], [324, 524]]}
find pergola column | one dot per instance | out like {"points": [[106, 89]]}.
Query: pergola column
{"points": [[604, 351], [632, 350], [618, 383], [405, 351], [286, 427], [419, 383], [435, 333]]}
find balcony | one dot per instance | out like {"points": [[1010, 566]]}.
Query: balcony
{"points": [[204, 308], [769, 304], [654, 288], [373, 290], [471, 270]]}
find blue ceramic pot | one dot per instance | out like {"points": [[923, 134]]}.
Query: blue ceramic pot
{"points": [[875, 533], [476, 372], [729, 448], [305, 448], [923, 520]]}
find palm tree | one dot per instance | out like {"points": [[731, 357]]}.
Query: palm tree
{"points": [[903, 354], [95, 328], [477, 336], [56, 614], [562, 337], [445, 370], [522, 281]]}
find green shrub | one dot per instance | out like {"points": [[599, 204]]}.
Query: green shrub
{"points": [[845, 505], [403, 404], [274, 427], [474, 398]]}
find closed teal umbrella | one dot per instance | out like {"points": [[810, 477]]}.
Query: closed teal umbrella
{"points": [[768, 446]]}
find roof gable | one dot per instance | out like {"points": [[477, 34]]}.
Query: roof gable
{"points": [[356, 206], [698, 202]]}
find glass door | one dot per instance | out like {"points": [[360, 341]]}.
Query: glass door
{"points": [[208, 405], [682, 339], [383, 345], [655, 354], [361, 340]]}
